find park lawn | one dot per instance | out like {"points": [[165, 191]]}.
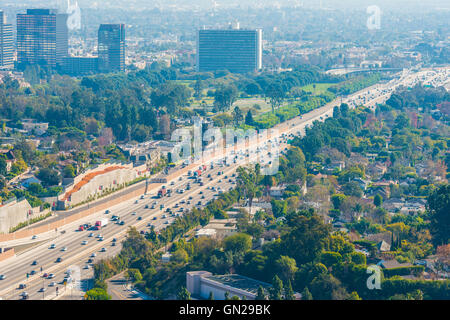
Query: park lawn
{"points": [[319, 88]]}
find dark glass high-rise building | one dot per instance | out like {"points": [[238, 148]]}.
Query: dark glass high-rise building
{"points": [[6, 44], [111, 48], [42, 38], [235, 50]]}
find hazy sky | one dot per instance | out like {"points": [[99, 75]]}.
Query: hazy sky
{"points": [[208, 4]]}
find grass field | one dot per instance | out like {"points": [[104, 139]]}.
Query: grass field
{"points": [[317, 88]]}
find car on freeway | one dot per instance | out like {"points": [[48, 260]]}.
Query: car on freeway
{"points": [[142, 197], [90, 235], [84, 242], [45, 275], [139, 218], [114, 240], [52, 246], [113, 244], [24, 295], [122, 223], [86, 266], [22, 286], [103, 250], [52, 284], [146, 206], [199, 203], [34, 263], [59, 260], [100, 239], [107, 211], [33, 237], [90, 260], [93, 255], [64, 249], [154, 218], [50, 276], [2, 277], [42, 289], [32, 272], [133, 213]]}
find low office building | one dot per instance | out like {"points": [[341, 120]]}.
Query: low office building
{"points": [[201, 283]]}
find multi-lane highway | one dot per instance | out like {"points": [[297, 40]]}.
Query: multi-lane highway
{"points": [[135, 213]]}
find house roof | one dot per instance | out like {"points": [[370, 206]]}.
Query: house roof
{"points": [[390, 264]]}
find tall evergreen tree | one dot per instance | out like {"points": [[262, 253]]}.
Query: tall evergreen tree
{"points": [[276, 291], [289, 292]]}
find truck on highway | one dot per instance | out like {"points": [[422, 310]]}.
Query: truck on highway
{"points": [[197, 173], [101, 223], [162, 192]]}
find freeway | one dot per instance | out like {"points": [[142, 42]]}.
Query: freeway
{"points": [[76, 253], [129, 212]]}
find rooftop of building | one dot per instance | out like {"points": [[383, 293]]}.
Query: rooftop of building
{"points": [[239, 282]]}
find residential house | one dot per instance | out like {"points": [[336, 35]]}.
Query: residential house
{"points": [[33, 127], [9, 157], [277, 192]]}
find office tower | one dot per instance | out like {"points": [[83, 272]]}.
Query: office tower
{"points": [[111, 48], [235, 50], [42, 38], [6, 44]]}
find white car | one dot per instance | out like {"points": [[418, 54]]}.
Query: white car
{"points": [[84, 242], [2, 277], [52, 284], [52, 246], [50, 276], [93, 255], [64, 249]]}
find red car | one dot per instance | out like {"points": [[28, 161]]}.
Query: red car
{"points": [[45, 275]]}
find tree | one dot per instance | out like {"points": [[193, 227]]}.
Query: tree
{"points": [[261, 294], [276, 291], [225, 96], [305, 239], [97, 294], [247, 183], [237, 115], [180, 256], [286, 267], [337, 200], [438, 208], [352, 188], [184, 294], [289, 292], [198, 88], [378, 200], [49, 177], [249, 119], [239, 242], [354, 296], [69, 171], [306, 295], [3, 166], [276, 94]]}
